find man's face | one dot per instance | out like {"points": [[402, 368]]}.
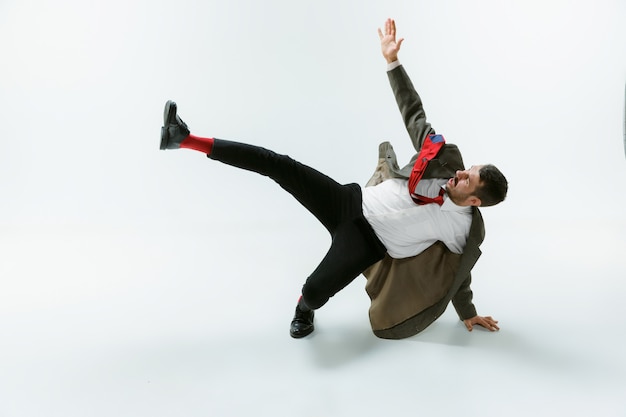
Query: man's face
{"points": [[462, 186]]}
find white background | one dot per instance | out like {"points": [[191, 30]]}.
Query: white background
{"points": [[136, 282]]}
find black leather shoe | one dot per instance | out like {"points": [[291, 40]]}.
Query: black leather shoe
{"points": [[302, 323], [174, 130]]}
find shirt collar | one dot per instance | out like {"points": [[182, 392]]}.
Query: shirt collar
{"points": [[449, 205]]}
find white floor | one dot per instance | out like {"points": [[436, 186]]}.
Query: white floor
{"points": [[147, 323], [135, 282]]}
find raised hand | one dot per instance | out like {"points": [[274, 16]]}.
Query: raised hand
{"points": [[388, 44]]}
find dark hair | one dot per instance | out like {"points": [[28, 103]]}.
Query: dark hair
{"points": [[493, 186]]}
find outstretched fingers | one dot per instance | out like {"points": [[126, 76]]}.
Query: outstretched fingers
{"points": [[487, 322], [388, 43], [390, 29]]}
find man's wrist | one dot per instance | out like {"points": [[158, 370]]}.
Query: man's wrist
{"points": [[392, 65]]}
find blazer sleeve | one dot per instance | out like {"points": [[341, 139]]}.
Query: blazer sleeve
{"points": [[410, 105], [462, 300]]}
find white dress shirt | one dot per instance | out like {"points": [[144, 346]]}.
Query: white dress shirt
{"points": [[407, 229]]}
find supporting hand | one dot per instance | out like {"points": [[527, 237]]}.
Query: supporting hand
{"points": [[487, 322], [388, 44]]}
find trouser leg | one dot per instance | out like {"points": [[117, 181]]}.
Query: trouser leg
{"points": [[354, 248], [321, 195], [338, 207]]}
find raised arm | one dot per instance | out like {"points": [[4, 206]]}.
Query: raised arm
{"points": [[409, 102]]}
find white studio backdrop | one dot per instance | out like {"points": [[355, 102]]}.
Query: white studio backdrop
{"points": [[140, 282]]}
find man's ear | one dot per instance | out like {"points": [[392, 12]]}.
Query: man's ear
{"points": [[474, 201]]}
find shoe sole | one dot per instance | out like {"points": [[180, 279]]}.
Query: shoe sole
{"points": [[169, 115]]}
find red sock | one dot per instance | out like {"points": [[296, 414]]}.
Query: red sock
{"points": [[303, 305], [198, 144]]}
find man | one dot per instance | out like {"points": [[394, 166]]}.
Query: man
{"points": [[408, 294], [400, 216]]}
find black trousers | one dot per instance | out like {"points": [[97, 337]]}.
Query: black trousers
{"points": [[338, 207]]}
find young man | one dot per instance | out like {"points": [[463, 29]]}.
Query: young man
{"points": [[423, 212]]}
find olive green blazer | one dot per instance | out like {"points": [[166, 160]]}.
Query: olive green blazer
{"points": [[409, 294]]}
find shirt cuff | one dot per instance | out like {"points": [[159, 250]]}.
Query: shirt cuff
{"points": [[395, 64]]}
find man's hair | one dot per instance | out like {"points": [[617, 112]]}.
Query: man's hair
{"points": [[493, 186]]}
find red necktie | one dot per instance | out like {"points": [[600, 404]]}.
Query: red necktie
{"points": [[430, 149]]}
